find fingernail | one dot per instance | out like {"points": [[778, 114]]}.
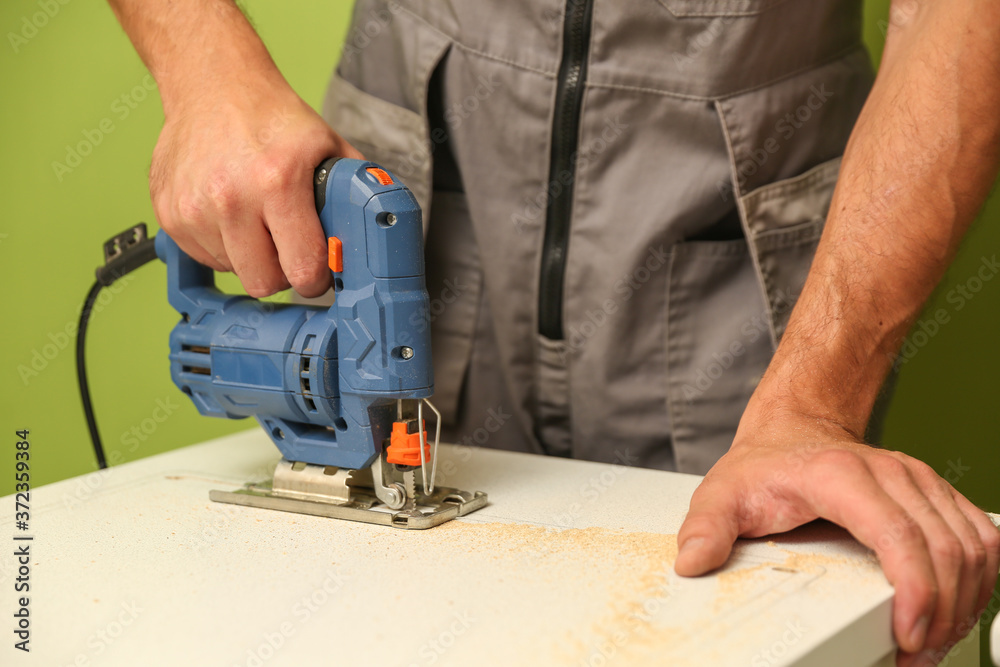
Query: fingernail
{"points": [[919, 633], [691, 546]]}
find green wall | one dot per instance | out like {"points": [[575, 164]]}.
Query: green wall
{"points": [[77, 73], [945, 408], [58, 88]]}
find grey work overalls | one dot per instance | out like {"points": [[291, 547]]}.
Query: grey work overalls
{"points": [[622, 201]]}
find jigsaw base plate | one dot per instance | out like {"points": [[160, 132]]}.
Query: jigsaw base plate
{"points": [[443, 505]]}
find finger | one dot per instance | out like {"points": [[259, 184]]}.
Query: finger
{"points": [[943, 540], [167, 215], [204, 244], [188, 224], [989, 534], [840, 487], [974, 557], [711, 527], [922, 659], [290, 216], [254, 257]]}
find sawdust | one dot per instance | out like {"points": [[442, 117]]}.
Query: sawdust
{"points": [[647, 551], [641, 565], [637, 622], [581, 537], [736, 583], [811, 561], [733, 583]]}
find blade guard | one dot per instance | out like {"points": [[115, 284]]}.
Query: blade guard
{"points": [[322, 382]]}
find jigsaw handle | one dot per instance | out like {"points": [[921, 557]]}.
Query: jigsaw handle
{"points": [[322, 382]]}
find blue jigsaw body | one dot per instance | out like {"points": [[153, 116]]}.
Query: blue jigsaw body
{"points": [[322, 382]]}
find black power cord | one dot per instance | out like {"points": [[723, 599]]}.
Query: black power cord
{"points": [[123, 253], [81, 373]]}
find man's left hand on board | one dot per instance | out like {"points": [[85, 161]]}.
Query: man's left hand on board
{"points": [[940, 552]]}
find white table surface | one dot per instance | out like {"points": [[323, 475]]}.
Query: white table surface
{"points": [[570, 564]]}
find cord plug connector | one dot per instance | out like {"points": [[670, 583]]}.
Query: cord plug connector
{"points": [[124, 253]]}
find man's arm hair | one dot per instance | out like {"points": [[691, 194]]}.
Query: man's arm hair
{"points": [[917, 169], [231, 174], [192, 45]]}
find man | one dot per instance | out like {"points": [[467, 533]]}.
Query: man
{"points": [[627, 201]]}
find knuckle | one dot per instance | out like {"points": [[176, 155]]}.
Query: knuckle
{"points": [[698, 527], [305, 275], [925, 594], [910, 532], [928, 476], [200, 231], [922, 470], [190, 208], [899, 533], [274, 174], [695, 526], [921, 507], [948, 551], [893, 466], [223, 193], [837, 459], [991, 542], [975, 556]]}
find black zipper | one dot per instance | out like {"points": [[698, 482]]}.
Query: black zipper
{"points": [[565, 139]]}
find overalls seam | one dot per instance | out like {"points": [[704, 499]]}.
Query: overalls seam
{"points": [[677, 299], [783, 188], [745, 224], [506, 61], [840, 55], [730, 7], [469, 49]]}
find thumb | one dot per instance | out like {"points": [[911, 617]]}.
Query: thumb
{"points": [[706, 538]]}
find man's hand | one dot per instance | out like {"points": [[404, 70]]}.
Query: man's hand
{"points": [[939, 551], [232, 183], [232, 173], [917, 168]]}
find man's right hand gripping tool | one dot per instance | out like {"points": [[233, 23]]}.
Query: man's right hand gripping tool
{"points": [[340, 391]]}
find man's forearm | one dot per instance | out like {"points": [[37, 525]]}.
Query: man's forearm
{"points": [[231, 174], [195, 46], [917, 169]]}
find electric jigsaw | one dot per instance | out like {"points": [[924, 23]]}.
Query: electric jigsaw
{"points": [[341, 391]]}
